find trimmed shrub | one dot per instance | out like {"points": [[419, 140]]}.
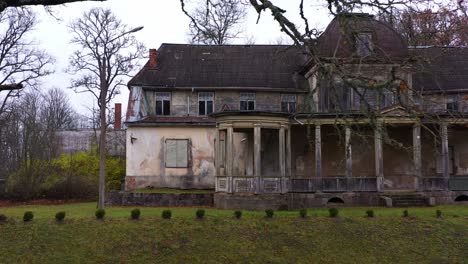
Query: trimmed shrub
{"points": [[135, 214], [100, 213], [166, 214], [28, 216], [238, 214], [405, 213], [439, 214], [200, 213], [370, 213], [60, 216], [333, 212], [3, 218], [269, 213], [303, 213]]}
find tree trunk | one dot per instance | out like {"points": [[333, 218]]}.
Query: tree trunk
{"points": [[102, 138]]}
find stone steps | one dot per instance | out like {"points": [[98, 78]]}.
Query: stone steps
{"points": [[408, 200]]}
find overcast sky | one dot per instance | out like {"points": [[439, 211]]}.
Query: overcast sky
{"points": [[163, 22]]}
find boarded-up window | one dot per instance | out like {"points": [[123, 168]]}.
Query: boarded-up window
{"points": [[177, 153]]}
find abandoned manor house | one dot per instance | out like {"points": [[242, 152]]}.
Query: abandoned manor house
{"points": [[361, 119]]}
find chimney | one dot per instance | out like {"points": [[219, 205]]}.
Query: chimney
{"points": [[118, 116], [153, 58]]}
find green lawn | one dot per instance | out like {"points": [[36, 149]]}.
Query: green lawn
{"points": [[351, 238]]}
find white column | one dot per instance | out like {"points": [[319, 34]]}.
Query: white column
{"points": [[257, 156], [417, 156], [318, 152], [379, 158], [445, 153], [229, 157]]}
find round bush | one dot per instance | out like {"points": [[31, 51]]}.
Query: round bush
{"points": [[439, 214], [405, 213], [60, 216], [166, 214], [238, 214], [303, 213], [269, 213], [370, 213], [200, 213], [333, 212], [28, 216], [135, 214], [100, 213]]}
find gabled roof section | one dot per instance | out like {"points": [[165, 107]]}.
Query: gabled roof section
{"points": [[339, 38], [440, 69], [243, 66]]}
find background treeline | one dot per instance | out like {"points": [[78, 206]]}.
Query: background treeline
{"points": [[32, 164]]}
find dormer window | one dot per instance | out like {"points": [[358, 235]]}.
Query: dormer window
{"points": [[364, 45]]}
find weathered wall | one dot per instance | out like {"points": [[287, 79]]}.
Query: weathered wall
{"points": [[185, 103], [146, 158], [121, 198]]}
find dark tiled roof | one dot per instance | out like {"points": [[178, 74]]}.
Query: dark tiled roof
{"points": [[249, 66], [440, 68]]}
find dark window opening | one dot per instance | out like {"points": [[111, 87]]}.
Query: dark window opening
{"points": [[247, 101], [205, 103], [452, 104], [288, 103], [163, 104]]}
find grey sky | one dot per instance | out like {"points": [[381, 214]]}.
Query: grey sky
{"points": [[163, 21]]}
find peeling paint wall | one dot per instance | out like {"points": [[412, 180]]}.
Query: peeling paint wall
{"points": [[146, 158]]}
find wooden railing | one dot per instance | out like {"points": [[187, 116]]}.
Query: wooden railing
{"points": [[458, 183], [433, 184], [334, 184], [250, 184]]}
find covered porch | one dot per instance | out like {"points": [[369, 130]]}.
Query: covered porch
{"points": [[270, 153]]}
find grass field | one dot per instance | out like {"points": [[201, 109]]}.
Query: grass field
{"points": [[350, 238]]}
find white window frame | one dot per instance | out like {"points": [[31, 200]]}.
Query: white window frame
{"points": [[212, 95], [248, 96]]}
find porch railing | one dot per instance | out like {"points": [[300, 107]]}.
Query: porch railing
{"points": [[433, 184], [334, 184], [458, 183], [250, 184]]}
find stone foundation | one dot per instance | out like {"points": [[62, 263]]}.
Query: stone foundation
{"points": [[121, 198], [179, 182]]}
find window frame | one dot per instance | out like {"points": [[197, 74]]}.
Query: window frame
{"points": [[454, 101], [188, 153], [248, 101], [205, 101], [361, 45], [288, 110], [164, 96]]}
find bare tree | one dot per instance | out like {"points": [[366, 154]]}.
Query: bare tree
{"points": [[443, 27], [20, 61], [17, 3], [216, 21], [106, 55]]}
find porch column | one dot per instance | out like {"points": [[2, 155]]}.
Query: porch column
{"points": [[417, 156], [229, 157], [379, 158], [288, 153], [217, 152], [257, 156], [445, 153], [282, 158], [348, 155], [318, 152]]}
